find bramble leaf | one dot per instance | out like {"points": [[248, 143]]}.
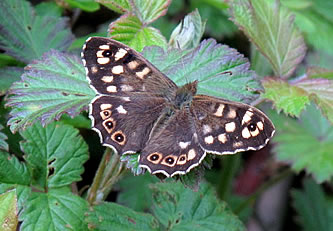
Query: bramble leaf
{"points": [[149, 11], [27, 36], [8, 76], [179, 208], [86, 5], [110, 216], [314, 210], [291, 99], [3, 138], [8, 211], [55, 154], [188, 33], [306, 144], [130, 30], [119, 6], [49, 87], [271, 28], [56, 210]]}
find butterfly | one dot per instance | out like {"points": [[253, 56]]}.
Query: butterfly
{"points": [[138, 109]]}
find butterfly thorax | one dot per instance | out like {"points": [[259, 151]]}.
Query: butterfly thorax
{"points": [[185, 94]]}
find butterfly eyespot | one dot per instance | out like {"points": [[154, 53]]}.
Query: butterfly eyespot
{"points": [[154, 157], [107, 53], [182, 158], [252, 127], [170, 160], [119, 137], [109, 124]]}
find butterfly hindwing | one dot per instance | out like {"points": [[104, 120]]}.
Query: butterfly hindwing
{"points": [[227, 127]]}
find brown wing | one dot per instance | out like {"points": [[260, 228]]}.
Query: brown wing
{"points": [[227, 127]]}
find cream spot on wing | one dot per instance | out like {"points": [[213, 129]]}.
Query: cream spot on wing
{"points": [[126, 99], [246, 133], [209, 139], [191, 154], [126, 87], [104, 47], [94, 69], [260, 125], [182, 159], [247, 116], [206, 129], [99, 54], [117, 69], [222, 138], [105, 106], [232, 113], [105, 114], [143, 73], [111, 88], [121, 110], [237, 144], [103, 60], [255, 132], [107, 79], [120, 54], [184, 145], [230, 127], [219, 111], [133, 64]]}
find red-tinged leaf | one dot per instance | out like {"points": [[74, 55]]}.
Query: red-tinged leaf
{"points": [[119, 6], [8, 211], [149, 11]]}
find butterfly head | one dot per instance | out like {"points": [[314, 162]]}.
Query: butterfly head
{"points": [[185, 94]]}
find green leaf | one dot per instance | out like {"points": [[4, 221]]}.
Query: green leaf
{"points": [[86, 5], [315, 213], [321, 90], [3, 138], [119, 6], [291, 99], [149, 11], [314, 72], [221, 70], [56, 210], [270, 27], [179, 208], [111, 216], [306, 144], [26, 36], [54, 85], [13, 171], [132, 163], [129, 29], [188, 33], [8, 211], [8, 76], [55, 154], [22, 192], [48, 8], [139, 199]]}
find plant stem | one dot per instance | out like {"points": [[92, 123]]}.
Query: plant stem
{"points": [[92, 192], [251, 199], [230, 164]]}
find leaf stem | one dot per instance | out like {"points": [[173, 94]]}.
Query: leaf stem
{"points": [[251, 199]]}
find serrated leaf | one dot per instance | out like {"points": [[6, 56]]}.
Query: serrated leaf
{"points": [[13, 171], [3, 138], [315, 213], [306, 144], [270, 27], [56, 210], [290, 99], [49, 87], [188, 33], [179, 208], [26, 36], [221, 71], [129, 29], [111, 216], [48, 8], [55, 154], [321, 90], [119, 6], [22, 192], [149, 11], [132, 163], [8, 211], [86, 5], [135, 193], [8, 76]]}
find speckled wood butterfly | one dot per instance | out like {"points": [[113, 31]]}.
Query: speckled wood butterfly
{"points": [[140, 110]]}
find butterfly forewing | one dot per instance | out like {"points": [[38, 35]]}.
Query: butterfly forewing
{"points": [[227, 127]]}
